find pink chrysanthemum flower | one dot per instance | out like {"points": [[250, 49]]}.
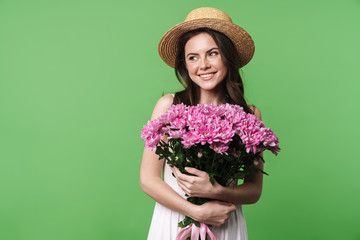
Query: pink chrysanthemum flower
{"points": [[213, 125]]}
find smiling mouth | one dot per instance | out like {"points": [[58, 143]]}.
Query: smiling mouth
{"points": [[207, 76]]}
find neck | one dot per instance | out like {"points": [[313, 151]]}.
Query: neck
{"points": [[215, 96]]}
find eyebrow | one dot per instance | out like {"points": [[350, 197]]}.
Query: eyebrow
{"points": [[206, 51]]}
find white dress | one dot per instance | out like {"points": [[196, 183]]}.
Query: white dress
{"points": [[164, 224]]}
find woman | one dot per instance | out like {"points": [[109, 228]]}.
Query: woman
{"points": [[207, 51]]}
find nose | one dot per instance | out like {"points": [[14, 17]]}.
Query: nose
{"points": [[204, 63]]}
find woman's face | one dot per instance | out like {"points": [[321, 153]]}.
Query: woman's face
{"points": [[203, 62]]}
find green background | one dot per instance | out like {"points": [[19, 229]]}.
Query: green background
{"points": [[79, 79]]}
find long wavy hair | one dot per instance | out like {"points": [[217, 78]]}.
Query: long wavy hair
{"points": [[233, 84]]}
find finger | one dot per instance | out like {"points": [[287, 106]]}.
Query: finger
{"points": [[176, 171], [182, 179], [195, 171], [184, 188], [185, 177], [232, 208], [225, 203]]}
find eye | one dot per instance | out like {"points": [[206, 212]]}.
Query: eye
{"points": [[214, 53], [192, 58]]}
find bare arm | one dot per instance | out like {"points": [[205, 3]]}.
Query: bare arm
{"points": [[214, 213], [199, 185]]}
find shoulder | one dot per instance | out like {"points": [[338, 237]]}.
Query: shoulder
{"points": [[256, 111], [162, 106]]}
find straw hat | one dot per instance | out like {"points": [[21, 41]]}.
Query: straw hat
{"points": [[210, 18]]}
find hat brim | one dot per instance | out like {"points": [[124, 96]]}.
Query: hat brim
{"points": [[241, 39]]}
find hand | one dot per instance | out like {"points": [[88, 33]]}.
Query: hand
{"points": [[198, 185], [214, 212]]}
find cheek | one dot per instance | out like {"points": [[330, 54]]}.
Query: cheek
{"points": [[219, 64], [191, 68]]}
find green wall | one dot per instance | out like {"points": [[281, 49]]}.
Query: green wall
{"points": [[79, 79]]}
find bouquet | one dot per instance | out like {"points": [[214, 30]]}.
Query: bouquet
{"points": [[223, 141]]}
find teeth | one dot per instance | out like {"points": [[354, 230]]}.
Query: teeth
{"points": [[207, 75]]}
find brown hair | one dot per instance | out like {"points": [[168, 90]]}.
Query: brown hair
{"points": [[234, 88]]}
